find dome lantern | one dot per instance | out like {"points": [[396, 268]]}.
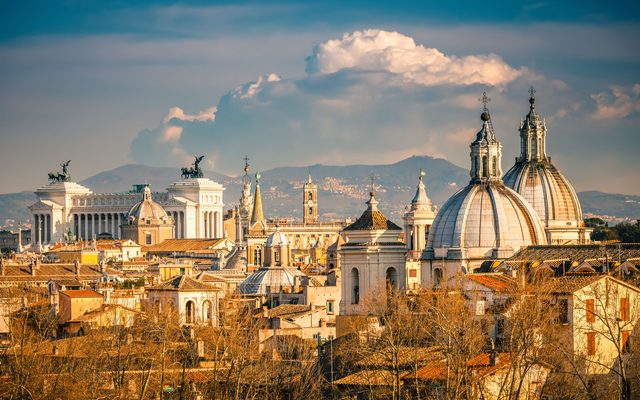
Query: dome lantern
{"points": [[486, 150]]}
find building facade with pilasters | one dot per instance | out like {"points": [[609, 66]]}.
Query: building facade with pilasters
{"points": [[63, 208]]}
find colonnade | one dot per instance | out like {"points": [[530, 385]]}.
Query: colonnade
{"points": [[178, 224], [42, 228], [211, 224], [86, 226]]}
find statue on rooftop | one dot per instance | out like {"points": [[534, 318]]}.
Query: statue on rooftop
{"points": [[63, 176], [195, 171]]}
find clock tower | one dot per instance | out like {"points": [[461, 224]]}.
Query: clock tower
{"points": [[310, 202]]}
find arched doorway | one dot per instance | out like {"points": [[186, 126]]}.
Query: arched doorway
{"points": [[437, 277], [207, 312], [190, 312], [392, 278], [355, 286]]}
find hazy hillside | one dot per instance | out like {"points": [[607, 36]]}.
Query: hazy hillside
{"points": [[608, 204], [342, 189]]}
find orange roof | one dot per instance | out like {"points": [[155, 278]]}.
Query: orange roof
{"points": [[497, 282], [179, 245], [78, 294], [437, 370]]}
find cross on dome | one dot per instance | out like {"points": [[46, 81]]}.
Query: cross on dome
{"points": [[484, 100]]}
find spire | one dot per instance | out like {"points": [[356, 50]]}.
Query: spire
{"points": [[257, 215], [486, 150], [533, 133], [420, 199]]}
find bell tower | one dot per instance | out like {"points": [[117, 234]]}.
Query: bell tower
{"points": [[309, 202]]}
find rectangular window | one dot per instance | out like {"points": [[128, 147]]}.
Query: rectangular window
{"points": [[591, 343], [625, 344], [480, 307], [563, 311], [329, 307], [590, 308], [413, 273], [624, 309], [148, 239]]}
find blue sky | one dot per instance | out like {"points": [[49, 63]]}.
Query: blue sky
{"points": [[295, 83]]}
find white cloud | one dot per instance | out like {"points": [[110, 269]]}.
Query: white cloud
{"points": [[408, 100], [378, 50], [251, 89], [619, 102]]}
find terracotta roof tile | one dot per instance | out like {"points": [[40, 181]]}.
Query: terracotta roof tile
{"points": [[78, 294], [372, 220], [496, 282], [375, 377], [180, 245], [186, 283]]}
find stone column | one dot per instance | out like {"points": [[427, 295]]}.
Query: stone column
{"points": [[36, 229], [178, 224], [86, 226], [48, 227]]}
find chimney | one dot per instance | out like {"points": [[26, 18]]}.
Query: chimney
{"points": [[76, 268], [265, 312], [32, 268]]}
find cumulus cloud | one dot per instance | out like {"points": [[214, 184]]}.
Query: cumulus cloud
{"points": [[619, 102], [377, 50], [162, 144], [372, 96]]}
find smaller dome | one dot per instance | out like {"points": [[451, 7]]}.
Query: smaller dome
{"points": [[272, 278], [277, 238], [147, 208]]}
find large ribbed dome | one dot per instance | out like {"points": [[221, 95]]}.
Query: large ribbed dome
{"points": [[147, 209], [536, 179], [483, 218], [486, 219], [546, 189]]}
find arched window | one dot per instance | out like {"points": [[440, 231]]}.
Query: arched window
{"points": [[310, 210], [437, 278], [485, 167], [392, 278], [257, 256], [494, 165], [539, 146], [355, 286], [310, 195], [207, 312], [190, 312]]}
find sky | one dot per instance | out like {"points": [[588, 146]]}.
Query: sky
{"points": [[108, 83]]}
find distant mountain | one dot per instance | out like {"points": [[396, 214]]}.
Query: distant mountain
{"points": [[608, 204], [123, 178], [342, 190]]}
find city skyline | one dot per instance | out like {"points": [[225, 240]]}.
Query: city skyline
{"points": [[112, 84]]}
